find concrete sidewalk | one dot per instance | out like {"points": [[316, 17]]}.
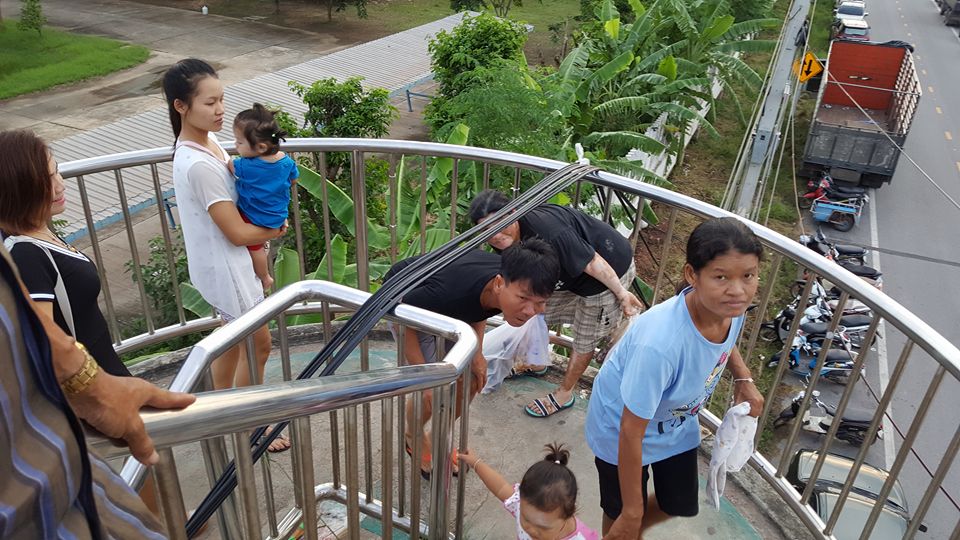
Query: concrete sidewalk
{"points": [[505, 438]]}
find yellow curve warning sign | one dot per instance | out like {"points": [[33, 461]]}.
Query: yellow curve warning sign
{"points": [[809, 68]]}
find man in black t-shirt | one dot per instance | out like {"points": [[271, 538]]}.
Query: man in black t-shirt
{"points": [[472, 289], [596, 269]]}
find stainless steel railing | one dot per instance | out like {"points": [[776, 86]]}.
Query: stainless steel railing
{"points": [[509, 170], [236, 412]]}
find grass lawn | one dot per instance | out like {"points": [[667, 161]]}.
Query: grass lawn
{"points": [[29, 62]]}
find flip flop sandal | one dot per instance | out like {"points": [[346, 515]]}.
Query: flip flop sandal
{"points": [[539, 372], [423, 457], [547, 406], [280, 437]]}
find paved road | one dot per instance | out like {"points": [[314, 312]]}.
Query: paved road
{"points": [[912, 216]]}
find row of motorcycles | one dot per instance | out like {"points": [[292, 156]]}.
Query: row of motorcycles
{"points": [[816, 316]]}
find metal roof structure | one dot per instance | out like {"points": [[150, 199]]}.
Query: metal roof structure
{"points": [[394, 62]]}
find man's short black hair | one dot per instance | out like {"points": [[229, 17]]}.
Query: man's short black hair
{"points": [[532, 261]]}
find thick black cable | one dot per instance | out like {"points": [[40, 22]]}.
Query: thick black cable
{"points": [[382, 302]]}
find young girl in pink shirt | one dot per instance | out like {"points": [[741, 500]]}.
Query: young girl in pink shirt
{"points": [[544, 503]]}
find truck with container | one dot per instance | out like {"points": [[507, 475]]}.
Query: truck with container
{"points": [[865, 104], [950, 11]]}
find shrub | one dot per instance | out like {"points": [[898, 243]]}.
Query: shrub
{"points": [[157, 281], [31, 17], [477, 42]]}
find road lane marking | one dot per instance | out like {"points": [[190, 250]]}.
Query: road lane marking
{"points": [[948, 135], [930, 89], [923, 71], [958, 166], [883, 368], [939, 110], [909, 34]]}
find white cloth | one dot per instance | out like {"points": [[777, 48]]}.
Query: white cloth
{"points": [[507, 347], [732, 448], [221, 271]]}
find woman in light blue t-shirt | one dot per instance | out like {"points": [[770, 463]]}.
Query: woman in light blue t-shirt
{"points": [[643, 411]]}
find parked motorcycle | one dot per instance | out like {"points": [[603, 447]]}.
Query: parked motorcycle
{"points": [[837, 366], [837, 252], [824, 188], [815, 321], [853, 423]]}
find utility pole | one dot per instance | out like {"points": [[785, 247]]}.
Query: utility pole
{"points": [[755, 161]]}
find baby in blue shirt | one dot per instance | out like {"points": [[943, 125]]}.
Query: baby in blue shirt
{"points": [[264, 177]]}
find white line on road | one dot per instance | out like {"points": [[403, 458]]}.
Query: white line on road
{"points": [[883, 368]]}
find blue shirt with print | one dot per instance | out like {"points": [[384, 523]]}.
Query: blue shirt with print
{"points": [[663, 369], [263, 189]]}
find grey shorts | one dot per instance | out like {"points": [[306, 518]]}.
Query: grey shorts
{"points": [[429, 344], [592, 317]]}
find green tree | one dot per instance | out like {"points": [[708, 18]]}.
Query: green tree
{"points": [[31, 16], [341, 109], [506, 109], [477, 42]]}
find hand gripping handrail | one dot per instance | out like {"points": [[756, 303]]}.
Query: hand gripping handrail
{"points": [[240, 409]]}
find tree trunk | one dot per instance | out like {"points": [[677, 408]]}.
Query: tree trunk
{"points": [[276, 7], [329, 10]]}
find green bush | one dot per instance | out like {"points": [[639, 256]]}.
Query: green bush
{"points": [[31, 17], [506, 109], [158, 283], [477, 42]]}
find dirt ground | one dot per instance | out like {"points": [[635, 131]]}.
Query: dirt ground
{"points": [[385, 17]]}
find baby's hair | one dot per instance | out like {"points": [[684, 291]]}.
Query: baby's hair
{"points": [[259, 126], [549, 484]]}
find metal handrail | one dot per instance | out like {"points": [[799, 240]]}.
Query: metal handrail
{"points": [[944, 352], [917, 331], [209, 348], [230, 411]]}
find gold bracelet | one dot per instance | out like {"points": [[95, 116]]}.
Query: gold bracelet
{"points": [[82, 379]]}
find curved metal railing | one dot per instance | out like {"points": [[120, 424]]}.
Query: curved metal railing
{"points": [[919, 335]]}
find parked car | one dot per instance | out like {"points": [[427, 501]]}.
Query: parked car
{"points": [[852, 29], [850, 10], [864, 494]]}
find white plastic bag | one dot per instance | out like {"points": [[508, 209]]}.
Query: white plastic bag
{"points": [[732, 448], [507, 347]]}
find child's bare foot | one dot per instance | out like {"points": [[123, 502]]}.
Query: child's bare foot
{"points": [[267, 283]]}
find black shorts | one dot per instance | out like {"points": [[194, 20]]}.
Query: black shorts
{"points": [[674, 481]]}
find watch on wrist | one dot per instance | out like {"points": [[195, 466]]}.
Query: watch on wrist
{"points": [[83, 378]]}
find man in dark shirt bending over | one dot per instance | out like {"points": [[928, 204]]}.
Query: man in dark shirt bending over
{"points": [[473, 288], [596, 270]]}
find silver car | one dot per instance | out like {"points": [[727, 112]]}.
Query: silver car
{"points": [[850, 11]]}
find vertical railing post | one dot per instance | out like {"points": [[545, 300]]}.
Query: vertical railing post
{"points": [[167, 242], [98, 256], [353, 473], [134, 252], [171, 497], [667, 241], [303, 445], [246, 485], [386, 465]]}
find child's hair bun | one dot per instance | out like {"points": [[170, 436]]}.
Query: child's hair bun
{"points": [[556, 453]]}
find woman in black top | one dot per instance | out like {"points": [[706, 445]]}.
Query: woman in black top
{"points": [[31, 193]]}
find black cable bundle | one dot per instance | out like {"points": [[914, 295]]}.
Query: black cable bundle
{"points": [[380, 303]]}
